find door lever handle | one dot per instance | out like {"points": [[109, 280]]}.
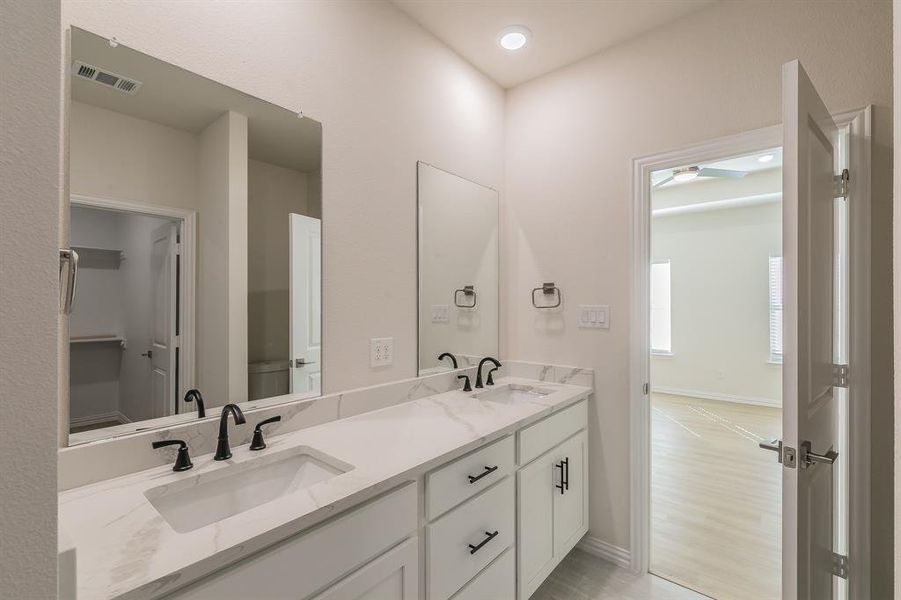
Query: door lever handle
{"points": [[810, 458], [774, 446]]}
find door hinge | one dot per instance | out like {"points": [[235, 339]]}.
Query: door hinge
{"points": [[178, 249], [841, 376], [646, 389], [839, 565], [841, 184]]}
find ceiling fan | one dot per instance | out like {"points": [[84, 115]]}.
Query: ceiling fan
{"points": [[689, 173]]}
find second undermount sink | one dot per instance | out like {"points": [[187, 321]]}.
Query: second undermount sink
{"points": [[208, 498], [513, 393]]}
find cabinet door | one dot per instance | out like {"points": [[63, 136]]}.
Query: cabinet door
{"points": [[570, 503], [536, 522], [392, 576]]}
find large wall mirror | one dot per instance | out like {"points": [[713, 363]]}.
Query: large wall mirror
{"points": [[196, 217], [458, 270]]}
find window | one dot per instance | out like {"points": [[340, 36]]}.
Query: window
{"points": [[775, 275], [661, 310]]}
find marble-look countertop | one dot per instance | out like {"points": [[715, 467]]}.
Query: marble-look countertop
{"points": [[124, 547]]}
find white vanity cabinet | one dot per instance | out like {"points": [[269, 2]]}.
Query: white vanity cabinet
{"points": [[552, 495], [489, 525], [309, 561]]}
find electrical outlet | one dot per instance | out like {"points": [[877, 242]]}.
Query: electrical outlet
{"points": [[381, 352]]}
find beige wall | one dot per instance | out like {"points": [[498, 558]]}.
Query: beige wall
{"points": [[29, 291], [897, 285], [222, 260], [273, 193], [719, 262], [387, 93], [120, 157], [571, 136]]}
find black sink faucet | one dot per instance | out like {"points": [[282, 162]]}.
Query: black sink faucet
{"points": [[497, 365], [223, 451], [453, 358], [198, 397]]}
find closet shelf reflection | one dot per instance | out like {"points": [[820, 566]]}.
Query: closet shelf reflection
{"points": [[99, 258], [98, 339]]}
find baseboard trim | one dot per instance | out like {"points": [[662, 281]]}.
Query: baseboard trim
{"points": [[598, 547], [715, 396]]}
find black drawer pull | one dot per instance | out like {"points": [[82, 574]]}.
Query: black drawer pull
{"points": [[474, 549], [488, 470], [563, 486]]}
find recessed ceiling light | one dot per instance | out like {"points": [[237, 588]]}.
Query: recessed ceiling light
{"points": [[686, 174], [514, 37], [765, 158]]}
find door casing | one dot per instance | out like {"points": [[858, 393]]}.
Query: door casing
{"points": [[858, 124]]}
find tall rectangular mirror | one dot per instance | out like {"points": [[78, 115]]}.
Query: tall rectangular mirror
{"points": [[458, 270], [196, 218]]}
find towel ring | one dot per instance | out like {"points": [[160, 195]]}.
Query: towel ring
{"points": [[467, 291], [548, 289]]}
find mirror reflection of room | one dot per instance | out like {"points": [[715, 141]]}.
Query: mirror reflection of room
{"points": [[196, 215], [458, 270]]}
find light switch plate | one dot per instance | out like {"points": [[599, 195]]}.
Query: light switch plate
{"points": [[381, 352], [594, 316], [440, 313]]}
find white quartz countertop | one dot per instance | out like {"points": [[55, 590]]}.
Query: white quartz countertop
{"points": [[124, 547]]}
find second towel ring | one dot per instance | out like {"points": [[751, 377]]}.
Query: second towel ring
{"points": [[548, 289], [467, 291]]}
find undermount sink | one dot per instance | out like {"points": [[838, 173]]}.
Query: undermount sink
{"points": [[513, 393], [209, 498]]}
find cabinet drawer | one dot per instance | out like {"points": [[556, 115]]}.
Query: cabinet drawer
{"points": [[537, 439], [450, 559], [453, 483], [497, 581], [392, 576], [307, 562]]}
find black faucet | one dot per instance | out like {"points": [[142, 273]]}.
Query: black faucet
{"points": [[466, 386], [453, 358], [223, 451], [258, 443], [183, 459], [497, 365], [196, 395], [490, 380]]}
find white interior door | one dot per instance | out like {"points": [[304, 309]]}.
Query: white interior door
{"points": [[809, 404], [306, 303], [164, 245]]}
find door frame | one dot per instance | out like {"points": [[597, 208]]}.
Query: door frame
{"points": [[188, 266], [858, 123]]}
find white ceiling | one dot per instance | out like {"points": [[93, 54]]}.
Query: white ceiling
{"points": [[177, 98], [563, 31]]}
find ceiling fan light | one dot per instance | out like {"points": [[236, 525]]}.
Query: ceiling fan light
{"points": [[686, 174]]}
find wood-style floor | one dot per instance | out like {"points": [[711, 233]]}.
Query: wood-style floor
{"points": [[581, 576], [716, 498]]}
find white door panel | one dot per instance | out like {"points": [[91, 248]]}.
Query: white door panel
{"points": [[809, 405], [306, 304], [164, 243]]}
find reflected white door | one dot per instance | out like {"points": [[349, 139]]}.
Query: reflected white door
{"points": [[810, 406], [163, 273], [306, 303]]}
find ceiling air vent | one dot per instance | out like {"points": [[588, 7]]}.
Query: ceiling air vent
{"points": [[97, 75]]}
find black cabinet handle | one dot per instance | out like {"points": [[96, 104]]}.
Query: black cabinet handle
{"points": [[487, 471], [476, 548], [563, 486]]}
